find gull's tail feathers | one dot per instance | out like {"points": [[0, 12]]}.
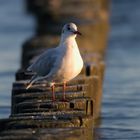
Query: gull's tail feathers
{"points": [[29, 85], [32, 81]]}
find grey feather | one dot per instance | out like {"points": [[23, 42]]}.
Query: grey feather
{"points": [[43, 65]]}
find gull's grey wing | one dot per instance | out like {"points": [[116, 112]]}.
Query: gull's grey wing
{"points": [[45, 62]]}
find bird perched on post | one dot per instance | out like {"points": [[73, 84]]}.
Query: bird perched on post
{"points": [[60, 64]]}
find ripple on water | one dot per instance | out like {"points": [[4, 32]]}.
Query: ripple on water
{"points": [[121, 98]]}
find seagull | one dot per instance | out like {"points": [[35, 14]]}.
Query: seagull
{"points": [[60, 64]]}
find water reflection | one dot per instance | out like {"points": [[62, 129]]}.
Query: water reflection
{"points": [[120, 112]]}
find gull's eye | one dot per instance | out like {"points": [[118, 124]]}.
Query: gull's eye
{"points": [[68, 28]]}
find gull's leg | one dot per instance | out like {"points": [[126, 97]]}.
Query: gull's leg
{"points": [[64, 91], [53, 92]]}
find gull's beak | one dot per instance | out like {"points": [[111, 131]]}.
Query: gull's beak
{"points": [[77, 32]]}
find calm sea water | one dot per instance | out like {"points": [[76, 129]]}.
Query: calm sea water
{"points": [[121, 97], [15, 28]]}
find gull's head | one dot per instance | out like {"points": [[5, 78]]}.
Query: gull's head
{"points": [[70, 30]]}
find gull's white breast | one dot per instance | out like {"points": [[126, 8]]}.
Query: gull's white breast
{"points": [[71, 63]]}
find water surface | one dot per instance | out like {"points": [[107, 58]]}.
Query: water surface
{"points": [[121, 100], [15, 28]]}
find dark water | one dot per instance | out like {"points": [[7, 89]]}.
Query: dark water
{"points": [[15, 28], [121, 100]]}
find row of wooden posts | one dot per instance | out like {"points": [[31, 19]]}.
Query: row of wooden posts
{"points": [[33, 114]]}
